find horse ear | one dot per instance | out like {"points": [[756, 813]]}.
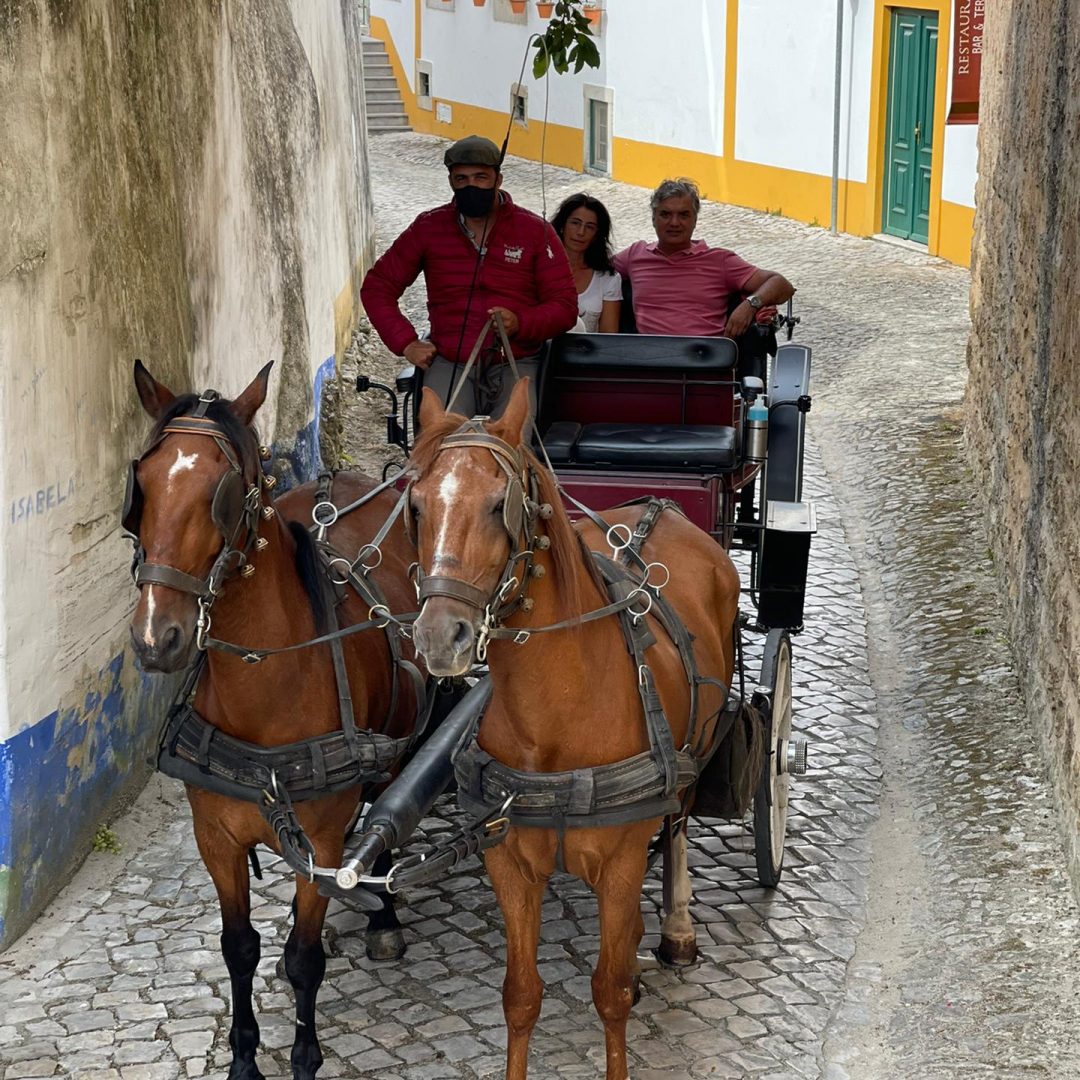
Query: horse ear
{"points": [[155, 398], [250, 401], [431, 408], [513, 425]]}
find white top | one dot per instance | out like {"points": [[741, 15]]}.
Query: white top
{"points": [[603, 286]]}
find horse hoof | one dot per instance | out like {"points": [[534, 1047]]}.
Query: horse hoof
{"points": [[677, 954], [245, 1070], [385, 944]]}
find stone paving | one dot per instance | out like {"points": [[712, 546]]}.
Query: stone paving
{"points": [[924, 927]]}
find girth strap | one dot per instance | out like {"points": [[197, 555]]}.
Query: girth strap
{"points": [[196, 752]]}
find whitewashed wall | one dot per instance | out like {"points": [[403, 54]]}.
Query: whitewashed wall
{"points": [[666, 66], [190, 189]]}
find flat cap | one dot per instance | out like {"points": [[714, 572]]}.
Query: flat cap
{"points": [[472, 150]]}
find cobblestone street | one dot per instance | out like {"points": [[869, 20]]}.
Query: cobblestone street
{"points": [[924, 928]]}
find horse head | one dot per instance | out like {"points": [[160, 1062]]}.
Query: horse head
{"points": [[192, 506], [470, 512]]}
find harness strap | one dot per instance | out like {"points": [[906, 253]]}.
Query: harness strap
{"points": [[454, 589], [159, 574]]}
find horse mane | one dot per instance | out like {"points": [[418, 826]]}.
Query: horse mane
{"points": [[245, 441], [312, 576], [567, 546]]}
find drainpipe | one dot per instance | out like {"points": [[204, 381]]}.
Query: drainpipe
{"points": [[834, 200]]}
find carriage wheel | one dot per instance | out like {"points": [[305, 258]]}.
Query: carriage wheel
{"points": [[771, 797]]}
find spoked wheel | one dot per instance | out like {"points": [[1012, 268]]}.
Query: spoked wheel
{"points": [[773, 699]]}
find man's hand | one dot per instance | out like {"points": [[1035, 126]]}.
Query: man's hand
{"points": [[420, 354], [739, 320], [509, 319]]}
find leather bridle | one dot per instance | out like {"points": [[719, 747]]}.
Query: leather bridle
{"points": [[521, 510], [235, 510]]}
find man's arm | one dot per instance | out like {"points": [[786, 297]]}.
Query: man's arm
{"points": [[770, 288], [383, 286], [556, 311]]}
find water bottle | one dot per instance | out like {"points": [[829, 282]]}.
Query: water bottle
{"points": [[757, 431]]}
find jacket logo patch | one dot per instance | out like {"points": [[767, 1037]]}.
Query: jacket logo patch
{"points": [[513, 254]]}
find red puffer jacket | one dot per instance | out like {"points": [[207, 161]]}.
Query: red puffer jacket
{"points": [[524, 270]]}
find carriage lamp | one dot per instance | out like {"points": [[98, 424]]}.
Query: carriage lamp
{"points": [[395, 433]]}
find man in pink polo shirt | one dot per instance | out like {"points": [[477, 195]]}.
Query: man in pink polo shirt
{"points": [[683, 286]]}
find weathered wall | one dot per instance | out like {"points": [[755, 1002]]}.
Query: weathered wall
{"points": [[1023, 416], [182, 182]]}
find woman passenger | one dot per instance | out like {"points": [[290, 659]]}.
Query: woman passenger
{"points": [[584, 226]]}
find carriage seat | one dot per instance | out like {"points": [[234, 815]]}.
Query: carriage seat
{"points": [[643, 446]]}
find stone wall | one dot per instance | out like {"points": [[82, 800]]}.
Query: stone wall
{"points": [[184, 182], [1024, 358]]}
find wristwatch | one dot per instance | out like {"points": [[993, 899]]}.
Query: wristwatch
{"points": [[754, 301]]}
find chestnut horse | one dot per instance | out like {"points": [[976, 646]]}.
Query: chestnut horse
{"points": [[288, 697], [563, 700]]}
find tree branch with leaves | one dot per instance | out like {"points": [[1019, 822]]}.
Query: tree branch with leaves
{"points": [[567, 42]]}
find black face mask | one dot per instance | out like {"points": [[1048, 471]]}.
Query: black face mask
{"points": [[475, 202]]}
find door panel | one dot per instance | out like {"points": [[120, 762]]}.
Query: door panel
{"points": [[924, 147], [909, 124]]}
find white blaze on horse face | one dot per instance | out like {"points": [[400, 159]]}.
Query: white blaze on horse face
{"points": [[183, 463], [148, 627], [448, 492]]}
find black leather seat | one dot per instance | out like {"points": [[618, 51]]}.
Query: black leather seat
{"points": [[656, 446], [560, 440]]}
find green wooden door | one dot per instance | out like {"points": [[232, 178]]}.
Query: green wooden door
{"points": [[909, 125]]}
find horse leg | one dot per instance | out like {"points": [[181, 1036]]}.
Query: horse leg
{"points": [[614, 981], [384, 940], [520, 900], [305, 965], [240, 948], [678, 940]]}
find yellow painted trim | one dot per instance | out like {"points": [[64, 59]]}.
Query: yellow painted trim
{"points": [[956, 232], [646, 164], [731, 73], [418, 34], [347, 310], [879, 96]]}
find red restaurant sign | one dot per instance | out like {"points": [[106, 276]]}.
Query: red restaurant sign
{"points": [[967, 61]]}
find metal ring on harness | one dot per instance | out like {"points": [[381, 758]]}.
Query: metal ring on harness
{"points": [[649, 567], [348, 570], [318, 514], [636, 615], [616, 548], [359, 560], [384, 611]]}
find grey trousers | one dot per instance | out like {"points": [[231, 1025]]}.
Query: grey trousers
{"points": [[486, 391]]}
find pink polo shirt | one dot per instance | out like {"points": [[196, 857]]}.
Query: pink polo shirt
{"points": [[687, 292]]}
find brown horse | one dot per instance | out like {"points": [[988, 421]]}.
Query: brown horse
{"points": [[564, 700], [275, 602]]}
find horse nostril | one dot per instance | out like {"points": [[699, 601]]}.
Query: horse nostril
{"points": [[463, 636], [170, 640]]}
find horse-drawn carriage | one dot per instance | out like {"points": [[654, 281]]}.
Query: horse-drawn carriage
{"points": [[652, 443]]}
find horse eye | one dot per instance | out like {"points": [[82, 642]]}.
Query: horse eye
{"points": [[499, 507]]}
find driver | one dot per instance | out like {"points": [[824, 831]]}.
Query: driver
{"points": [[682, 286], [480, 254]]}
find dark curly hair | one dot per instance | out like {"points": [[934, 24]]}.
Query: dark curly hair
{"points": [[598, 253]]}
